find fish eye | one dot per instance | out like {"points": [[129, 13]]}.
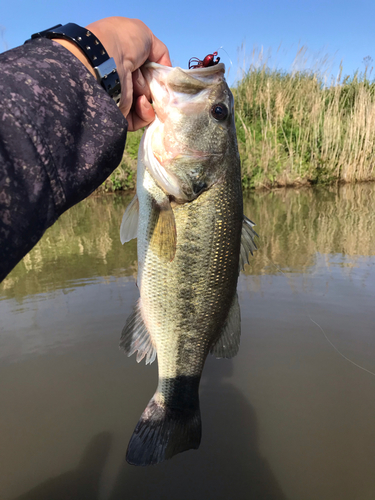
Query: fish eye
{"points": [[219, 111]]}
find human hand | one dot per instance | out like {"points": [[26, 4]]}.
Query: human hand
{"points": [[130, 42]]}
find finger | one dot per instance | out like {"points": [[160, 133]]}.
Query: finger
{"points": [[159, 52], [140, 86], [126, 92], [141, 115]]}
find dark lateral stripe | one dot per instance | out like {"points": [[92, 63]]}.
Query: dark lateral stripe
{"points": [[181, 391]]}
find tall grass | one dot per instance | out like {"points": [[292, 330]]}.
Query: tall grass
{"points": [[293, 128], [297, 128]]}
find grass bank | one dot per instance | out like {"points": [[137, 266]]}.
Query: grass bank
{"points": [[125, 176], [297, 128], [293, 128]]}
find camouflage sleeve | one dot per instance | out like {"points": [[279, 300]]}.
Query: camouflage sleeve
{"points": [[61, 136]]}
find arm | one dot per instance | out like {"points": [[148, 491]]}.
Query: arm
{"points": [[61, 135]]}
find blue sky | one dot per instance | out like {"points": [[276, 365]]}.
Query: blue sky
{"points": [[343, 30]]}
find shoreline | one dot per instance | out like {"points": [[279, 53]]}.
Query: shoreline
{"points": [[245, 190]]}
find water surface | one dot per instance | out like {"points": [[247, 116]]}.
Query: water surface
{"points": [[291, 417]]}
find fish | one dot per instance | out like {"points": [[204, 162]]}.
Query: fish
{"points": [[193, 240]]}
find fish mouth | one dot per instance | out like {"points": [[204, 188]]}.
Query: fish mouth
{"points": [[183, 81], [210, 70]]}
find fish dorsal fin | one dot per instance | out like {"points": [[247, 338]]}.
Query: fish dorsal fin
{"points": [[228, 343], [164, 236], [129, 224], [247, 241], [135, 337]]}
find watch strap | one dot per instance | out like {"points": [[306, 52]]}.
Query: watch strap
{"points": [[104, 66]]}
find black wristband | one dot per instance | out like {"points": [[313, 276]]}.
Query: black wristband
{"points": [[104, 66]]}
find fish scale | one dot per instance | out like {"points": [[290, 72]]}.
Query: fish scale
{"points": [[192, 237], [200, 282]]}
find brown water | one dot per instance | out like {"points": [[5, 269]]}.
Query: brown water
{"points": [[291, 417]]}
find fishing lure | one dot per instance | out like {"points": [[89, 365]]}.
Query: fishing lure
{"points": [[209, 60]]}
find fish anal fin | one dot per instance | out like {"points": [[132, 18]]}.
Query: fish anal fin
{"points": [[164, 236], [135, 337], [129, 224], [247, 242], [228, 343]]}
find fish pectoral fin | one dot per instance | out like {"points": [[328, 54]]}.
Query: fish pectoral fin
{"points": [[135, 337], [228, 343], [247, 242], [164, 235], [129, 224]]}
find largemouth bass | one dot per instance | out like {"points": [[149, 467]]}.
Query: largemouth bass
{"points": [[192, 242]]}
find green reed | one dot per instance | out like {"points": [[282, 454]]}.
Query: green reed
{"points": [[300, 128], [293, 128]]}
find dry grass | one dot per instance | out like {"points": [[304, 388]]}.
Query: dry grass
{"points": [[296, 127]]}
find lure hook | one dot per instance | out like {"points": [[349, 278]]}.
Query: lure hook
{"points": [[208, 61]]}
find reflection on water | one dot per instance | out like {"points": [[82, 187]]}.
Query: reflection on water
{"points": [[81, 483], [83, 245], [294, 226], [292, 416]]}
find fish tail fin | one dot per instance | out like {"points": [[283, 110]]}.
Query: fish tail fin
{"points": [[162, 432]]}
